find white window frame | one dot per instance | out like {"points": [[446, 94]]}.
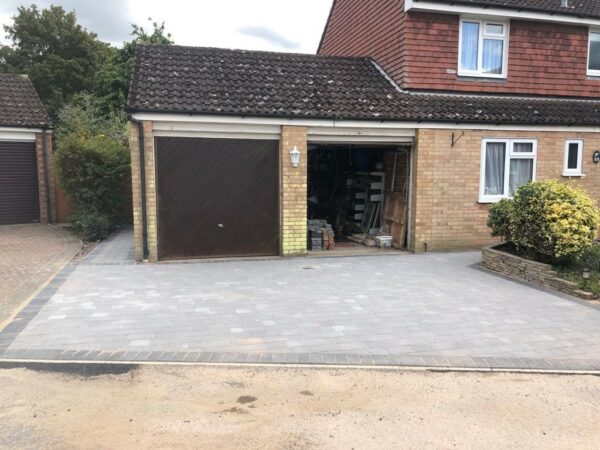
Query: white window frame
{"points": [[482, 34], [577, 172], [591, 72], [510, 154]]}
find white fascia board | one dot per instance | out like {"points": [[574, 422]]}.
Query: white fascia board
{"points": [[480, 11], [201, 120], [18, 134], [216, 130]]}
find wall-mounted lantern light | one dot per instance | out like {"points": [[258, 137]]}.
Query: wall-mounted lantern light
{"points": [[295, 156]]}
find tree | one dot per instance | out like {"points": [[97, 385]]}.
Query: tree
{"points": [[60, 57], [112, 81]]}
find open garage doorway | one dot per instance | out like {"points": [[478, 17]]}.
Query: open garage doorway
{"points": [[358, 198]]}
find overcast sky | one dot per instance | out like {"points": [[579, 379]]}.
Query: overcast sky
{"points": [[276, 25]]}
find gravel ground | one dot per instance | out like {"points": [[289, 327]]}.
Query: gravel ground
{"points": [[295, 408]]}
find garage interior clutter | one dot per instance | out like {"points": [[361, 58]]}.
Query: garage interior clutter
{"points": [[357, 197]]}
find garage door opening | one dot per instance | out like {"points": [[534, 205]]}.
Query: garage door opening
{"points": [[358, 198]]}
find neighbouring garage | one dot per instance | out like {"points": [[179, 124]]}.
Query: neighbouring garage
{"points": [[19, 196], [217, 197], [358, 196], [26, 165]]}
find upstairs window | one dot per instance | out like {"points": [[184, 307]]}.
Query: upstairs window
{"points": [[506, 164], [483, 48], [573, 157], [594, 53]]}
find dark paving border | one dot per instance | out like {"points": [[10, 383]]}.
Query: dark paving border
{"points": [[20, 322], [441, 362]]}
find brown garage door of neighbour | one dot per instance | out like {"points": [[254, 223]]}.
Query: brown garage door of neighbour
{"points": [[217, 197], [19, 201]]}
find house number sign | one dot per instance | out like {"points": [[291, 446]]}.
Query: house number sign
{"points": [[596, 157]]}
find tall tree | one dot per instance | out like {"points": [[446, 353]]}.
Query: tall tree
{"points": [[60, 57], [112, 80]]}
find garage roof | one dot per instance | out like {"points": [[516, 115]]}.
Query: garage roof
{"points": [[579, 8], [196, 80], [20, 105]]}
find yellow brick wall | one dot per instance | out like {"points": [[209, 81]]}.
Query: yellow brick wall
{"points": [[134, 148], [446, 213], [150, 189], [151, 208], [293, 191]]}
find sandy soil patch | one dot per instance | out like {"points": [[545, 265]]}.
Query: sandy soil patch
{"points": [[295, 408]]}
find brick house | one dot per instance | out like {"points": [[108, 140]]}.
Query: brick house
{"points": [[457, 103], [27, 188]]}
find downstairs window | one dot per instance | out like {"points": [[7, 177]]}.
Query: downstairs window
{"points": [[506, 164], [573, 157]]}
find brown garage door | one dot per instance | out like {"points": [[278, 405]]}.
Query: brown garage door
{"points": [[19, 201], [217, 197]]}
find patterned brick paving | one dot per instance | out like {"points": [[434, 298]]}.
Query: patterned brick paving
{"points": [[434, 310], [29, 255]]}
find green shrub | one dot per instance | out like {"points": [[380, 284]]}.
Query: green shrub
{"points": [[95, 173], [90, 225], [499, 219], [549, 220], [590, 258]]}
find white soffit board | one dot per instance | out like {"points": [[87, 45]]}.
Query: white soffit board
{"points": [[481, 11], [18, 134]]}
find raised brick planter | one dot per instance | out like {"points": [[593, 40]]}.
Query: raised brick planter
{"points": [[531, 271]]}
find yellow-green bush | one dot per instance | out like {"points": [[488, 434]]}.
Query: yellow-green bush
{"points": [[550, 220]]}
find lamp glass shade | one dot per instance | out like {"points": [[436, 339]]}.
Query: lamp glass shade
{"points": [[295, 156]]}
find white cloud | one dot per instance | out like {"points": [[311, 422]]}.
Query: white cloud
{"points": [[276, 25], [218, 23]]}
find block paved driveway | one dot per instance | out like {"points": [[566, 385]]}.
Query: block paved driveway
{"points": [[419, 310]]}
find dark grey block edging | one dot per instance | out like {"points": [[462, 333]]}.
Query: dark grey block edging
{"points": [[333, 359]]}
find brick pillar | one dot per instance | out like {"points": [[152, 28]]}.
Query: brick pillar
{"points": [[150, 191], [293, 191], [151, 209], [45, 173], [422, 194], [134, 148]]}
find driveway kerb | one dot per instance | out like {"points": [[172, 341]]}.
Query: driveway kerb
{"points": [[6, 363]]}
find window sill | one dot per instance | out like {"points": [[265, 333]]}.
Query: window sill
{"points": [[489, 201], [573, 175], [485, 78]]}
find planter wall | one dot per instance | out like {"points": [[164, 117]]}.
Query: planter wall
{"points": [[531, 271]]}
